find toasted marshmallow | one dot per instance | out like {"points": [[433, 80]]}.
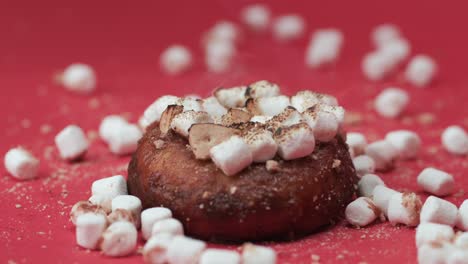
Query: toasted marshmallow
{"points": [[436, 182], [191, 104], [304, 100], [262, 145], [455, 140], [404, 208], [288, 117], [385, 33], [150, 216], [119, 239], [185, 250], [124, 140], [154, 111], [337, 111], [433, 253], [391, 102], [367, 184], [253, 254], [324, 124], [102, 201], [21, 164], [231, 97], [71, 143], [436, 210], [288, 27], [357, 142], [363, 165], [462, 218], [262, 89], [176, 59], [106, 189], [182, 122], [361, 212], [130, 203], [260, 119], [84, 207], [421, 70], [232, 155], [383, 153], [268, 106], [257, 17], [89, 227], [213, 107], [431, 232], [324, 47], [215, 256], [381, 196], [111, 123], [122, 215], [296, 141], [406, 142], [155, 249], [79, 78], [169, 225]]}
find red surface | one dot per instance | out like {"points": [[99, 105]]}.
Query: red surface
{"points": [[122, 41]]}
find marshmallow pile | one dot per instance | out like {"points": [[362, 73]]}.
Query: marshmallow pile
{"points": [[109, 221], [253, 123]]}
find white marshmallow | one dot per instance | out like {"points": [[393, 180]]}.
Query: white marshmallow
{"points": [[71, 143], [324, 124], [381, 196], [182, 122], [124, 140], [150, 216], [383, 153], [21, 164], [109, 188], [260, 119], [391, 102], [436, 210], [225, 31], [361, 212], [338, 111], [271, 106], [406, 142], [357, 142], [367, 184], [404, 208], [253, 254], [421, 70], [434, 253], [130, 203], [216, 256], [176, 59], [461, 240], [89, 228], [119, 239], [262, 145], [431, 232], [155, 249], [324, 47], [262, 89], [396, 50], [288, 27], [382, 34], [104, 201], [213, 107], [191, 104], [256, 17], [143, 123], [154, 111], [462, 218], [84, 207], [455, 140], [184, 250], [122, 215], [232, 155], [457, 256], [219, 55], [287, 118], [363, 165], [79, 78], [109, 124], [231, 97], [436, 182], [295, 142], [169, 225], [304, 100], [377, 65]]}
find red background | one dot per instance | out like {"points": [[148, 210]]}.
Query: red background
{"points": [[123, 39]]}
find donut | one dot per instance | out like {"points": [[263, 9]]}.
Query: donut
{"points": [[281, 198]]}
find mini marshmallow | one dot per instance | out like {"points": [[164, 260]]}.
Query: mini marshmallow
{"points": [[404, 208], [396, 50], [71, 143], [288, 27], [110, 124], [191, 104], [262, 145], [169, 225], [256, 17], [143, 123], [154, 111], [225, 31], [130, 203], [122, 215], [406, 142], [338, 111], [361, 212], [287, 118], [421, 70], [304, 100], [216, 256], [84, 207], [462, 217], [434, 253], [457, 256], [21, 164], [324, 124], [150, 216], [357, 142], [231, 97], [103, 201], [455, 140], [381, 196], [262, 89], [253, 254], [89, 228], [436, 182], [260, 119], [119, 239], [385, 33], [185, 250], [324, 47], [436, 210], [124, 140], [363, 165], [377, 65], [461, 240], [383, 153], [391, 102], [182, 122], [232, 155], [431, 232], [219, 55], [176, 59], [294, 142], [79, 78], [271, 106], [367, 184], [155, 250], [110, 187], [213, 107]]}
